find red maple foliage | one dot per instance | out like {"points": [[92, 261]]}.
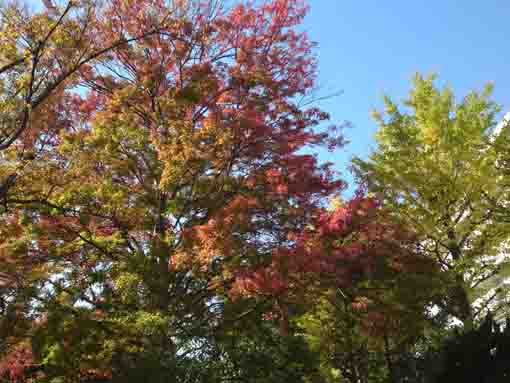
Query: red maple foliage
{"points": [[180, 173]]}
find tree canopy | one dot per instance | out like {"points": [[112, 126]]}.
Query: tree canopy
{"points": [[164, 215], [437, 167], [157, 204]]}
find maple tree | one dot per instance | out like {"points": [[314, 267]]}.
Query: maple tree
{"points": [[162, 204], [42, 56], [363, 329]]}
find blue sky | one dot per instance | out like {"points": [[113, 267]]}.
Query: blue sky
{"points": [[371, 47]]}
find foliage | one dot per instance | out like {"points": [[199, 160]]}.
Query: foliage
{"points": [[362, 330], [164, 217], [476, 355], [43, 54], [436, 169], [160, 219]]}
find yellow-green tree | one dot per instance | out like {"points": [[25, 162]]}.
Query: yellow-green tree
{"points": [[436, 167]]}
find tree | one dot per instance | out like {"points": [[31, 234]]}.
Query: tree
{"points": [[166, 224], [476, 355], [436, 169], [162, 204], [43, 57], [363, 331]]}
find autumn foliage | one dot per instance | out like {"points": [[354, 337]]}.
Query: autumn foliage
{"points": [[167, 194]]}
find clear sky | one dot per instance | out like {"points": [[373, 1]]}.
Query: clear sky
{"points": [[371, 47]]}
